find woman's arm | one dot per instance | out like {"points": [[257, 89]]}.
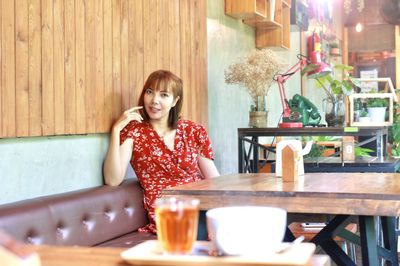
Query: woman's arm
{"points": [[207, 167], [118, 156], [117, 159]]}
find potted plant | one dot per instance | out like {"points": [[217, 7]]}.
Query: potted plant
{"points": [[255, 73], [377, 109], [335, 90], [334, 49], [364, 116]]}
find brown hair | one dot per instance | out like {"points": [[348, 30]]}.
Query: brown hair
{"points": [[164, 80]]}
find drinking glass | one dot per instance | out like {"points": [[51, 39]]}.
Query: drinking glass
{"points": [[177, 222]]}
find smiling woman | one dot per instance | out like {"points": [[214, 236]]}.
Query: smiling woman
{"points": [[163, 149]]}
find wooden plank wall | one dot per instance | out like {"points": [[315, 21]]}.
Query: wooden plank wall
{"points": [[73, 66]]}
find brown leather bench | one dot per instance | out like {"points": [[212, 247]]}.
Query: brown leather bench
{"points": [[100, 216]]}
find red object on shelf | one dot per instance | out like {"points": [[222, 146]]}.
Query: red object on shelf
{"points": [[290, 124], [281, 79]]}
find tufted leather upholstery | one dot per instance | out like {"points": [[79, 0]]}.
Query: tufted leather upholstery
{"points": [[86, 217]]}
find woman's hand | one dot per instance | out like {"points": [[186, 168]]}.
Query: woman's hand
{"points": [[128, 116]]}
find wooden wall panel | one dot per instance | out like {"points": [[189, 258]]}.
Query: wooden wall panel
{"points": [[80, 60], [108, 65], [90, 70], [135, 50], [98, 88], [116, 48], [1, 66], [22, 67], [8, 69], [35, 74], [72, 67], [58, 64], [125, 88], [47, 68]]}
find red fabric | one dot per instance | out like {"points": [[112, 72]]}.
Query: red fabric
{"points": [[157, 167]]}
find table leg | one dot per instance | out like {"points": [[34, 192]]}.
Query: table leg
{"points": [[255, 155], [369, 247], [389, 241], [241, 156], [324, 239]]}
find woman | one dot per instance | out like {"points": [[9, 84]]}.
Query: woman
{"points": [[163, 150]]}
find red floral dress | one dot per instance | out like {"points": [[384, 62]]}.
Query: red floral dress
{"points": [[157, 167]]}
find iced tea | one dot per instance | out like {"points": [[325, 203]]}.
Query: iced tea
{"points": [[177, 221]]}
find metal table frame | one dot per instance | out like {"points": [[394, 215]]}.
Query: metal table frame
{"points": [[251, 135]]}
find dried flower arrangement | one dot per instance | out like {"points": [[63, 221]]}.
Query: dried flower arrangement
{"points": [[255, 72]]}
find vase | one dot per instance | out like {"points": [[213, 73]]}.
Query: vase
{"points": [[377, 114], [258, 119], [334, 110]]}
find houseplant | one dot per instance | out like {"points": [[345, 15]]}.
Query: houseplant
{"points": [[334, 49], [335, 90], [377, 109], [255, 73]]}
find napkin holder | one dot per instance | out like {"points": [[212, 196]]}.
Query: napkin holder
{"points": [[13, 253], [290, 163]]}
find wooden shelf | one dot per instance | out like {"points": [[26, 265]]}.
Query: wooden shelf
{"points": [[263, 24], [272, 26], [276, 37], [246, 9]]}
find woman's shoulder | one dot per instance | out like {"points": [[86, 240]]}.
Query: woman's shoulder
{"points": [[134, 125], [190, 127], [187, 124]]}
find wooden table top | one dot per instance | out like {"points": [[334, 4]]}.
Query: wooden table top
{"points": [[92, 256], [376, 194]]}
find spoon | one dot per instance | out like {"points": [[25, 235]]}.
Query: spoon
{"points": [[291, 245]]}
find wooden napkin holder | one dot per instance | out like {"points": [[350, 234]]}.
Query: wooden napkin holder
{"points": [[290, 164], [13, 253]]}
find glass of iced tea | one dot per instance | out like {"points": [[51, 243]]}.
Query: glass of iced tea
{"points": [[177, 221]]}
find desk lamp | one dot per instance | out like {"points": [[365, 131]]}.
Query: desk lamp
{"points": [[317, 69]]}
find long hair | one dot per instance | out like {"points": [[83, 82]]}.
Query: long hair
{"points": [[164, 80]]}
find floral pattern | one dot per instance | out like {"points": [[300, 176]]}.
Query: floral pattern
{"points": [[157, 167]]}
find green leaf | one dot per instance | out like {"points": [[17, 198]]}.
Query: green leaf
{"points": [[309, 68], [359, 151], [355, 81], [344, 67]]}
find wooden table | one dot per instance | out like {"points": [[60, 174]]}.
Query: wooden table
{"points": [[87, 256], [346, 196]]}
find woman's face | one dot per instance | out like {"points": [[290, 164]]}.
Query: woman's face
{"points": [[158, 103]]}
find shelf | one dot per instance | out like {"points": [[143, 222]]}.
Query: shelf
{"points": [[276, 37], [272, 21], [246, 9], [263, 24]]}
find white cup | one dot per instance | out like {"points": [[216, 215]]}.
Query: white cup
{"points": [[246, 230]]}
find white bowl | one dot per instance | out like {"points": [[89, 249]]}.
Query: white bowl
{"points": [[246, 230]]}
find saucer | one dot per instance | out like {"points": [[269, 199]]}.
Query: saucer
{"points": [[150, 253]]}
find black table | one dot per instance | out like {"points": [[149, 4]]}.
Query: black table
{"points": [[249, 146], [360, 165]]}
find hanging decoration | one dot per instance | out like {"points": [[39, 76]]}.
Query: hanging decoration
{"points": [[347, 5]]}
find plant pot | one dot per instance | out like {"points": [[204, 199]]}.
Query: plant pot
{"points": [[334, 111], [377, 114], [334, 51], [364, 119], [258, 119]]}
